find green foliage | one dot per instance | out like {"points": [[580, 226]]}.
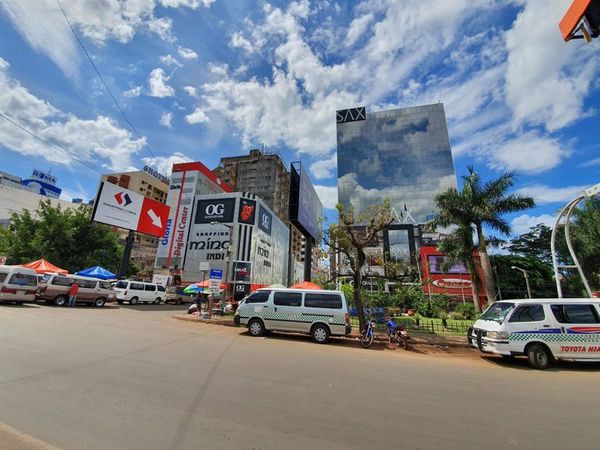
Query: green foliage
{"points": [[512, 283], [463, 311], [534, 243], [585, 235], [433, 307], [64, 237]]}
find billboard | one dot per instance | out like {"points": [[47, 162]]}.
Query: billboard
{"points": [[265, 220], [127, 209], [306, 209], [242, 271], [215, 210], [247, 211]]}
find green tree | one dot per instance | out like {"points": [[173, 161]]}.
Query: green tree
{"points": [[351, 235], [65, 237], [511, 282], [534, 243], [481, 204], [585, 236]]}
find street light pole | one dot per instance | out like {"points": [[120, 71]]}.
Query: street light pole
{"points": [[526, 275]]}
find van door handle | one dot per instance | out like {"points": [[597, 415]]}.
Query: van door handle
{"points": [[276, 309], [546, 326], [265, 306]]}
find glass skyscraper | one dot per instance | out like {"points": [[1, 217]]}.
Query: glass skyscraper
{"points": [[403, 155]]}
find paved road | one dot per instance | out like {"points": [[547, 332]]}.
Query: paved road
{"points": [[133, 378]]}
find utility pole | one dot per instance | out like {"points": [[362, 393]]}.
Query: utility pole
{"points": [[526, 275], [124, 267]]}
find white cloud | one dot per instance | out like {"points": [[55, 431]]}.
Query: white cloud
{"points": [[191, 90], [328, 195], [198, 116], [164, 164], [239, 41], [99, 141], [158, 84], [219, 70], [165, 119], [521, 224], [187, 53], [42, 25], [358, 28], [162, 27], [546, 80], [169, 60], [528, 152], [545, 194], [324, 168], [134, 92]]}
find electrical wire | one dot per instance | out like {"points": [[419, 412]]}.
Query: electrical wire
{"points": [[103, 81], [13, 121]]}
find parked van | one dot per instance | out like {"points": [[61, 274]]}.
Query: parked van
{"points": [[139, 292], [55, 290], [544, 330], [17, 284], [316, 312]]}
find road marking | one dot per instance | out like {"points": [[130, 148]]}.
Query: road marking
{"points": [[10, 438]]}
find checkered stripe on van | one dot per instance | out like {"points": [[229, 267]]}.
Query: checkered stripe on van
{"points": [[272, 315], [552, 337]]}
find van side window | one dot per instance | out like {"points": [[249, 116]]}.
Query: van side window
{"points": [[88, 284], [136, 286], [287, 299], [3, 276], [161, 288], [23, 279], [322, 301], [528, 313], [121, 284], [259, 297], [62, 281], [575, 313], [105, 285], [150, 287]]}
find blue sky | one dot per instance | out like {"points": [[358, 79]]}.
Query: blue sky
{"points": [[202, 79]]}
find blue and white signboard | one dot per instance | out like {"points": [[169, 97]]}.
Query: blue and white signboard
{"points": [[41, 187], [216, 274], [214, 284]]}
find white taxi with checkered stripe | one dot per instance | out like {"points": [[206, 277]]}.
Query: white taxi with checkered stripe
{"points": [[544, 330]]}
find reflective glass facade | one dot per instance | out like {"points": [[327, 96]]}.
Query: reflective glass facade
{"points": [[403, 155]]}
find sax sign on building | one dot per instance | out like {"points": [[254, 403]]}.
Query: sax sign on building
{"points": [[127, 209]]}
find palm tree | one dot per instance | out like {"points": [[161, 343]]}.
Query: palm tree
{"points": [[480, 205]]}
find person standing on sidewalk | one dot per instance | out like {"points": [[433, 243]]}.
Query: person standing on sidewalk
{"points": [[73, 293]]}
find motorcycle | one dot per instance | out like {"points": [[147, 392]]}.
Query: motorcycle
{"points": [[368, 334], [397, 334]]}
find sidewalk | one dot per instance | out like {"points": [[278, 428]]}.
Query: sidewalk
{"points": [[416, 338]]}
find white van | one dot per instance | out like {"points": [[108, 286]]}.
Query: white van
{"points": [[17, 284], [316, 312], [544, 330], [139, 292]]}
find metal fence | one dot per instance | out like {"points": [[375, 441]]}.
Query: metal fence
{"points": [[431, 326]]}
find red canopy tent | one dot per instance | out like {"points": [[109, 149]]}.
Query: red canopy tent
{"points": [[306, 285], [206, 283], [43, 266]]}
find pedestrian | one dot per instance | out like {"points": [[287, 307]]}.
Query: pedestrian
{"points": [[73, 293]]}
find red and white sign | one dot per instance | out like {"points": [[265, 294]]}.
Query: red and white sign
{"points": [[127, 209]]}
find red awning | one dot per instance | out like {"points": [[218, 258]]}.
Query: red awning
{"points": [[43, 266], [306, 285]]}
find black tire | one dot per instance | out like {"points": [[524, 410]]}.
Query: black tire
{"points": [[320, 333], [157, 301], [179, 301], [539, 356], [256, 327], [133, 301], [120, 302], [401, 343], [19, 303], [367, 341], [99, 302], [60, 300]]}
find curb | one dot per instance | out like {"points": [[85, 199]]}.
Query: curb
{"points": [[433, 340]]}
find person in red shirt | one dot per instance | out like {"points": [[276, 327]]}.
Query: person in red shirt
{"points": [[73, 293]]}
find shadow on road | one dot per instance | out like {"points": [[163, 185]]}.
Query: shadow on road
{"points": [[153, 307], [23, 306], [521, 363]]}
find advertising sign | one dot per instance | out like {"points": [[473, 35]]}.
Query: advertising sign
{"points": [[127, 209], [310, 209], [435, 265], [215, 210], [265, 220], [216, 274], [161, 280], [247, 211], [42, 188], [45, 177], [351, 115], [242, 271]]}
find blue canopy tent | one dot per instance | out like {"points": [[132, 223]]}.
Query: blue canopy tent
{"points": [[97, 272]]}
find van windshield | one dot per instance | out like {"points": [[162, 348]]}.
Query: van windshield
{"points": [[121, 285], [498, 311]]}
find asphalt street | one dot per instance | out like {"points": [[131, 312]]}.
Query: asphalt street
{"points": [[134, 378]]}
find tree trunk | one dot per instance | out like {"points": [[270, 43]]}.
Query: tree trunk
{"points": [[486, 267], [358, 300], [475, 291]]}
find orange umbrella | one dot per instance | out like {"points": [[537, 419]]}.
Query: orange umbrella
{"points": [[205, 284], [43, 266], [306, 285]]}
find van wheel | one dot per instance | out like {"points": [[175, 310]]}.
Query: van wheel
{"points": [[539, 357], [256, 327], [133, 301], [120, 302], [99, 302], [60, 300], [157, 301], [179, 301], [320, 334]]}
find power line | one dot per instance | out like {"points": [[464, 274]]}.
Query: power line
{"points": [[103, 81], [11, 120]]}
